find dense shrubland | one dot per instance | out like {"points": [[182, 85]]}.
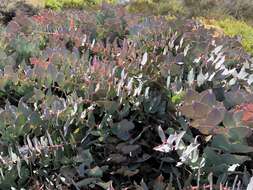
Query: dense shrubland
{"points": [[240, 9], [233, 17], [112, 100], [234, 28]]}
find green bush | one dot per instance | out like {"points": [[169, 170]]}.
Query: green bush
{"points": [[233, 28], [59, 4]]}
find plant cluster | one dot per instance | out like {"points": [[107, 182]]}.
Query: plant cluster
{"points": [[60, 4], [234, 28], [158, 7], [111, 100], [239, 9], [231, 17]]}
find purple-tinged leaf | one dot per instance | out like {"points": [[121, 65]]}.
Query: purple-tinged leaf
{"points": [[214, 117]]}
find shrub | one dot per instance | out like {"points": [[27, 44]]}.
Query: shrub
{"points": [[235, 28], [239, 9], [141, 106], [59, 4], [157, 7]]}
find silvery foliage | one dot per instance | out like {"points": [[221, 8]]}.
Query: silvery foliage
{"points": [[189, 154]]}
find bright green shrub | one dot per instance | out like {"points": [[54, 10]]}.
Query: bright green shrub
{"points": [[59, 4], [54, 4], [234, 28]]}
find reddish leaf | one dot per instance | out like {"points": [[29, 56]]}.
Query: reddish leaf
{"points": [[39, 62], [247, 109]]}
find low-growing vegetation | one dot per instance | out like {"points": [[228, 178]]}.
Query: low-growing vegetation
{"points": [[235, 28], [60, 4], [109, 99]]}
